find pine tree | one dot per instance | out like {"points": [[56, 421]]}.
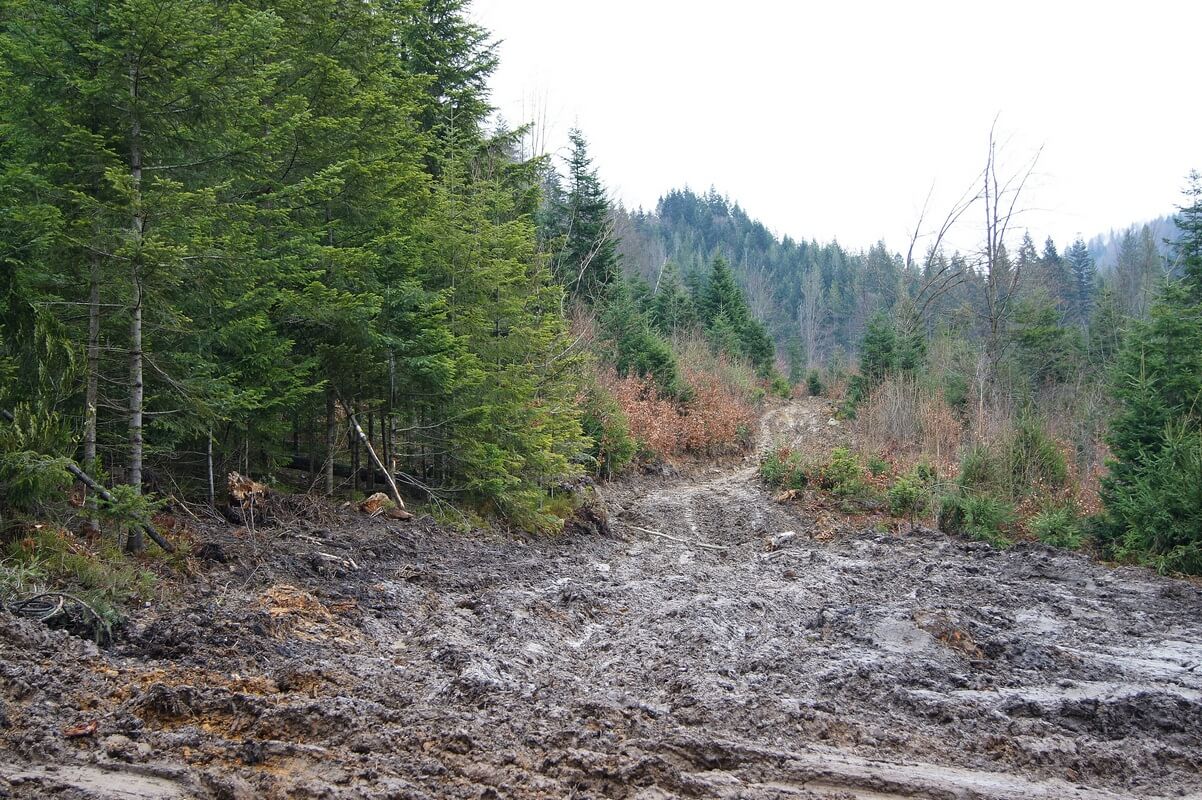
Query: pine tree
{"points": [[1084, 280], [1151, 491], [672, 309], [878, 350], [588, 261], [1187, 249]]}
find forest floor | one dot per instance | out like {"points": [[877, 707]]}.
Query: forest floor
{"points": [[354, 657]]}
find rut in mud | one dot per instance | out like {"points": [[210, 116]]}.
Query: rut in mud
{"points": [[682, 655]]}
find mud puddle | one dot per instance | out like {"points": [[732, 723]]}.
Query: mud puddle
{"points": [[692, 653]]}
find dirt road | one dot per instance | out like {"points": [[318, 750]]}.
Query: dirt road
{"points": [[694, 652]]}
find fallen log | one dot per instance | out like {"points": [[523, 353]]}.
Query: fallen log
{"points": [[371, 451], [104, 495]]}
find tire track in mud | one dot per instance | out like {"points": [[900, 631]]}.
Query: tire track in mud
{"points": [[439, 664]]}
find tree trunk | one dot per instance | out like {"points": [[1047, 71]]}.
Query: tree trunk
{"points": [[209, 459], [389, 443], [331, 441], [135, 326], [93, 382], [371, 433], [135, 409]]}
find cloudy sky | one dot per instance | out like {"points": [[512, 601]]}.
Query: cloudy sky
{"points": [[834, 119]]}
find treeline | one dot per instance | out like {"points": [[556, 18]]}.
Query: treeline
{"points": [[816, 299], [227, 225], [1064, 404], [678, 366]]}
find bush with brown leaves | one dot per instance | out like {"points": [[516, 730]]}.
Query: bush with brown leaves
{"points": [[715, 420]]}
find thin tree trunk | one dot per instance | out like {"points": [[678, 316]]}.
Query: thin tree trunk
{"points": [[135, 327], [91, 391], [360, 436], [135, 408], [331, 441], [389, 443], [209, 459], [371, 433]]}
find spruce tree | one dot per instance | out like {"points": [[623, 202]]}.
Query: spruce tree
{"points": [[1151, 492], [588, 260], [1084, 280]]}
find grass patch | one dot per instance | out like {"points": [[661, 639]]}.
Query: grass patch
{"points": [[46, 558]]}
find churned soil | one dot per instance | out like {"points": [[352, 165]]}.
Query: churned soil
{"points": [[710, 643]]}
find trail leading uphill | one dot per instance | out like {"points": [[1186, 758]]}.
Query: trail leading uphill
{"points": [[695, 652]]}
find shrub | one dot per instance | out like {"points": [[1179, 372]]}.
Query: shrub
{"points": [[780, 387], [955, 390], [981, 470], [784, 468], [909, 495], [877, 466], [1034, 459], [606, 425], [1058, 527], [842, 475], [976, 515], [814, 384], [906, 417]]}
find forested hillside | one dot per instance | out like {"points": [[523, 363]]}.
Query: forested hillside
{"points": [[816, 298]]}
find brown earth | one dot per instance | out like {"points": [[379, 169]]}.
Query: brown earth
{"points": [[693, 652]]}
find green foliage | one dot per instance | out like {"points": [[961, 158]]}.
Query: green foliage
{"points": [[878, 350], [877, 466], [955, 389], [1058, 526], [608, 429], [587, 260], [780, 386], [795, 353], [1150, 494], [1158, 510], [288, 218], [1035, 462], [1026, 462], [909, 495], [784, 468], [814, 384], [636, 348], [842, 475], [102, 576], [33, 465], [730, 323], [977, 515], [1047, 351]]}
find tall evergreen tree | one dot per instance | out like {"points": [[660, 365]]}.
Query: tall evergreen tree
{"points": [[1153, 490], [588, 260], [1084, 280]]}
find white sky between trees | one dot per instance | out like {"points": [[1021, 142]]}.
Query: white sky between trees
{"points": [[831, 120]]}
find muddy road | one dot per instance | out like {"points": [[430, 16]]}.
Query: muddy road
{"points": [[698, 650]]}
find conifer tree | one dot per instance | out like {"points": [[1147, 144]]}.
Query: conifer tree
{"points": [[1151, 493], [1084, 279], [588, 261]]}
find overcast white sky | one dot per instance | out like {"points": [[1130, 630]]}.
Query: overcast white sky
{"points": [[832, 119]]}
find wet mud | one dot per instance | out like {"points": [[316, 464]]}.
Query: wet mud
{"points": [[714, 644]]}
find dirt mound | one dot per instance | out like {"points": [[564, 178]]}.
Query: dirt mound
{"points": [[693, 651]]}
